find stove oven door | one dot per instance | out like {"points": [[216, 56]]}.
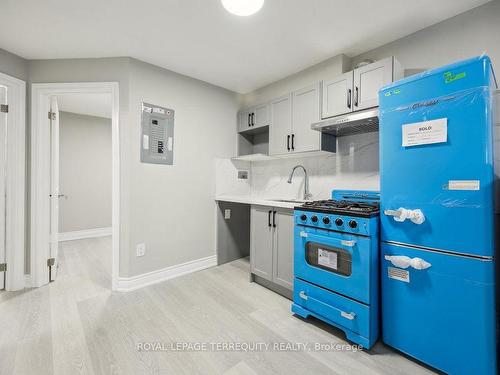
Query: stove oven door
{"points": [[335, 261]]}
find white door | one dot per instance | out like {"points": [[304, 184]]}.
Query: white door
{"points": [[280, 129], [3, 175], [244, 121], [368, 80], [261, 241], [337, 95], [261, 115], [283, 248], [305, 111], [54, 186]]}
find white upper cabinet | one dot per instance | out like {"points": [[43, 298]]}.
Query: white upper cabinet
{"points": [[291, 119], [280, 129], [305, 111], [253, 118], [358, 89], [261, 116], [337, 95], [244, 122], [368, 80]]}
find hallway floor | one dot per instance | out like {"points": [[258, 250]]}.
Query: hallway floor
{"points": [[77, 326]]}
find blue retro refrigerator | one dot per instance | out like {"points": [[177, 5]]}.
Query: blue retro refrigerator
{"points": [[438, 217]]}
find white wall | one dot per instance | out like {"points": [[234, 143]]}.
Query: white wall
{"points": [[329, 68], [13, 65], [466, 35], [172, 207], [355, 165], [84, 171]]}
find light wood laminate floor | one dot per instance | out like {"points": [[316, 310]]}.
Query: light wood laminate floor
{"points": [[76, 325]]}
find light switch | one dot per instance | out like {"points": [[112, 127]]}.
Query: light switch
{"points": [[227, 214]]}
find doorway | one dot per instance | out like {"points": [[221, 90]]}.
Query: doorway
{"points": [[71, 198], [12, 182]]}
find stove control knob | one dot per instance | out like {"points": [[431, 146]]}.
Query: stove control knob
{"points": [[303, 217], [353, 224], [314, 219], [339, 222], [326, 220]]}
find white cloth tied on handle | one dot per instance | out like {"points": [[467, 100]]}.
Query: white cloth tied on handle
{"points": [[402, 261], [402, 214]]}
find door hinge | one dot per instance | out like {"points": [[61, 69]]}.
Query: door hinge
{"points": [[3, 267], [52, 115], [4, 108], [51, 262]]}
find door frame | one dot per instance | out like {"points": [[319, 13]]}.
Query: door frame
{"points": [[40, 169], [16, 182]]}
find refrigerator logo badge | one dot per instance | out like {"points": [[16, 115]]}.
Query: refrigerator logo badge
{"points": [[425, 104], [450, 77], [392, 92]]}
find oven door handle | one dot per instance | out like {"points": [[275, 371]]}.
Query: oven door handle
{"points": [[343, 314], [348, 243]]}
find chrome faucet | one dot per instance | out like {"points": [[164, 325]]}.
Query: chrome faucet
{"points": [[307, 194]]}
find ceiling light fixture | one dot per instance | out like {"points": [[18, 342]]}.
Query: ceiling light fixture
{"points": [[243, 7]]}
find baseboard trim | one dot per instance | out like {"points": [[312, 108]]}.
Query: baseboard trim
{"points": [[127, 284], [86, 233]]}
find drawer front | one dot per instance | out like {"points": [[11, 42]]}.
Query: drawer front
{"points": [[333, 307]]}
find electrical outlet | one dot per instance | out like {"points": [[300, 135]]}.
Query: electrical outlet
{"points": [[243, 175], [227, 214], [140, 249]]}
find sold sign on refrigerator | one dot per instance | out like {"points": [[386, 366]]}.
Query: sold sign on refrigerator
{"points": [[425, 132]]}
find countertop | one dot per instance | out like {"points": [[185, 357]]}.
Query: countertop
{"points": [[249, 199]]}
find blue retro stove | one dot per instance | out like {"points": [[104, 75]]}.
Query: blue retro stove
{"points": [[336, 263]]}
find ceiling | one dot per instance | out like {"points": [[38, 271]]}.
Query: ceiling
{"points": [[86, 104], [200, 39]]}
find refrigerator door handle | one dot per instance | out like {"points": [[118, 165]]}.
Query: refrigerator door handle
{"points": [[402, 261], [401, 214]]}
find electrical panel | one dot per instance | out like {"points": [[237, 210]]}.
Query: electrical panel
{"points": [[157, 134]]}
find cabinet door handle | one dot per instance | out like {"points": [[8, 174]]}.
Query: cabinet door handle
{"points": [[274, 219], [356, 97], [249, 123], [288, 142], [253, 119], [293, 138], [269, 218], [349, 92]]}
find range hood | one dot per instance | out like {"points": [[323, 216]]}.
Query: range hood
{"points": [[365, 121]]}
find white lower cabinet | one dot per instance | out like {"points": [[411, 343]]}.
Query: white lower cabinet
{"points": [[261, 242], [271, 244], [283, 249]]}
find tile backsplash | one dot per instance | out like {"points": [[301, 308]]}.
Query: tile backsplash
{"points": [[354, 166]]}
